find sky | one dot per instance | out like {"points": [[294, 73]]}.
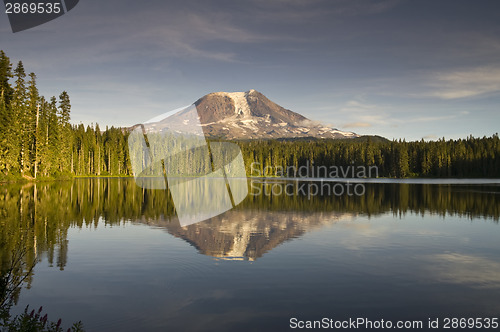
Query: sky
{"points": [[396, 68]]}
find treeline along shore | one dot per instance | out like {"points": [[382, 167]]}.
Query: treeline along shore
{"points": [[38, 141]]}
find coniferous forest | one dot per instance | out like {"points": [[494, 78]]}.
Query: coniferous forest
{"points": [[38, 141]]}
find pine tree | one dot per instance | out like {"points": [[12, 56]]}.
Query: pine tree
{"points": [[65, 137], [53, 137], [5, 114], [32, 124], [18, 145]]}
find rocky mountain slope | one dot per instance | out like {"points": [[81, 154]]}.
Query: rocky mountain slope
{"points": [[242, 115], [251, 115]]}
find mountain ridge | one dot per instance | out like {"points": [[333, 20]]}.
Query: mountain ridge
{"points": [[245, 116], [251, 115]]}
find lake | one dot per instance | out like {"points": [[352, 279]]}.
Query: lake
{"points": [[114, 255]]}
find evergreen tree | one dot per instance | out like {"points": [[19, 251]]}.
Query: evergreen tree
{"points": [[19, 141], [32, 119], [65, 137], [5, 114]]}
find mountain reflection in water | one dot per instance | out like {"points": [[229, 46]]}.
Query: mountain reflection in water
{"points": [[388, 247], [246, 234], [257, 225]]}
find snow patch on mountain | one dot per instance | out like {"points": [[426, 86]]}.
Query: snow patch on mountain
{"points": [[247, 115], [241, 107]]}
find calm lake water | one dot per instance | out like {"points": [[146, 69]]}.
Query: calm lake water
{"points": [[115, 257]]}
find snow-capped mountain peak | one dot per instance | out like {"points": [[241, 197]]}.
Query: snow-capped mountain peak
{"points": [[242, 115], [251, 115]]}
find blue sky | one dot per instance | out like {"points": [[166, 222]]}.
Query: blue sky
{"points": [[395, 68]]}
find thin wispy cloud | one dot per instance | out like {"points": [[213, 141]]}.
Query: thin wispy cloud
{"points": [[338, 8], [363, 115], [368, 65], [357, 125], [466, 83], [172, 33], [431, 118]]}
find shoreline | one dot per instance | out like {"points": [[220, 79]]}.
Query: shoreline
{"points": [[381, 180]]}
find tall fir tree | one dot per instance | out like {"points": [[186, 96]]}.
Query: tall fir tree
{"points": [[65, 137], [18, 153], [32, 124], [6, 92]]}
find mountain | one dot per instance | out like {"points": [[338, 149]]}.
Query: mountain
{"points": [[243, 115], [251, 115], [246, 234], [249, 234]]}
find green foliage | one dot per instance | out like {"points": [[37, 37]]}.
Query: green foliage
{"points": [[35, 322], [38, 141], [16, 268], [471, 157]]}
